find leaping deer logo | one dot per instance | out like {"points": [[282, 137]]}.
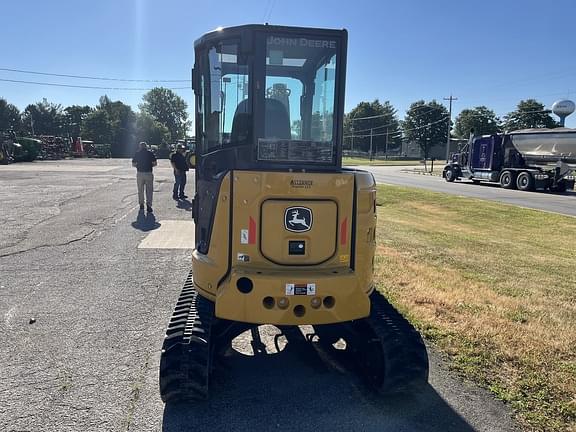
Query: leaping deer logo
{"points": [[294, 221], [297, 221]]}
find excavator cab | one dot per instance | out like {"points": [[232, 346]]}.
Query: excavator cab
{"points": [[284, 235], [269, 97]]}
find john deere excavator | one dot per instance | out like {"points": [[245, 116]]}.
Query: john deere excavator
{"points": [[284, 234]]}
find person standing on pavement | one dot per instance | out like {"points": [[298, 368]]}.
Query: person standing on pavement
{"points": [[144, 160], [178, 161]]}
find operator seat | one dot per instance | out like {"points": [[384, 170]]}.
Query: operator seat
{"points": [[276, 122], [241, 132]]}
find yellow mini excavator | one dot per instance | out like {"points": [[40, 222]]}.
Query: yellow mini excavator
{"points": [[284, 234]]}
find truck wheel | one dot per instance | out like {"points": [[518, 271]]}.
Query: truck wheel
{"points": [[449, 175], [507, 180], [525, 181]]}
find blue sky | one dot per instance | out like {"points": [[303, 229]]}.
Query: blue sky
{"points": [[488, 52]]}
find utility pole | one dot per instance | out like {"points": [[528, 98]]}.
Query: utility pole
{"points": [[352, 146], [449, 124], [386, 149], [371, 154]]}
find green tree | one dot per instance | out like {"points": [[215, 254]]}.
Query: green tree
{"points": [[426, 125], [74, 116], [167, 108], [481, 119], [9, 116], [98, 127], [43, 118], [382, 121], [123, 124], [529, 114], [151, 131]]}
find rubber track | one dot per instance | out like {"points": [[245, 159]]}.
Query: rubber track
{"points": [[186, 352], [394, 357]]}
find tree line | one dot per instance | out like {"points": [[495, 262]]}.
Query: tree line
{"points": [[370, 127], [375, 127], [162, 120]]}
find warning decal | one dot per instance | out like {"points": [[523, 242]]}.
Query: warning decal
{"points": [[300, 289], [244, 236]]}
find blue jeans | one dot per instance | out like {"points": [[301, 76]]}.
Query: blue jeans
{"points": [[179, 184]]}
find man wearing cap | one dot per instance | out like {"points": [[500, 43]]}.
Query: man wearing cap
{"points": [[180, 166], [144, 160]]}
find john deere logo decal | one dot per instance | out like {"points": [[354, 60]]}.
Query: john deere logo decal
{"points": [[298, 219]]}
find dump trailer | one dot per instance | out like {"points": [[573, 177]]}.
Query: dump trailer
{"points": [[527, 160], [283, 234]]}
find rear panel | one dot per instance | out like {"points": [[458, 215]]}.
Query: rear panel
{"points": [[273, 209], [301, 248]]}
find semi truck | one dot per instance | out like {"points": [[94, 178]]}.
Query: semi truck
{"points": [[527, 160]]}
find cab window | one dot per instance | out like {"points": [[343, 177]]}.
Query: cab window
{"points": [[299, 100], [226, 95]]}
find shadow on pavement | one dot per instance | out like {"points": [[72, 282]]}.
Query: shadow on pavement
{"points": [[184, 204], [296, 389], [145, 221], [497, 186], [481, 184]]}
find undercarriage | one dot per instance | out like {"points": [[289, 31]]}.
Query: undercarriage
{"points": [[384, 348]]}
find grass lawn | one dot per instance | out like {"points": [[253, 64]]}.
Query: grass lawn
{"points": [[494, 287]]}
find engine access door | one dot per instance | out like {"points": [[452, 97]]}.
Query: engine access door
{"points": [[298, 232]]}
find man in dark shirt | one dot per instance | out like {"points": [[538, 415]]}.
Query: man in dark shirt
{"points": [[180, 166], [144, 160]]}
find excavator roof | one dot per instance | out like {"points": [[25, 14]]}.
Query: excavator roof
{"points": [[221, 32]]}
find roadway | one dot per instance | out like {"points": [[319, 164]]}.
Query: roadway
{"points": [[563, 203], [86, 291]]}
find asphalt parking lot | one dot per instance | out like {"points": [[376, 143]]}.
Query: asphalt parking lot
{"points": [[86, 289]]}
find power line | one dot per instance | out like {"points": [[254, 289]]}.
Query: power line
{"points": [[543, 77], [431, 108], [369, 117], [394, 135], [384, 115], [397, 123], [424, 113], [530, 112], [88, 77], [379, 127], [268, 10], [86, 87], [498, 116], [443, 119], [506, 99]]}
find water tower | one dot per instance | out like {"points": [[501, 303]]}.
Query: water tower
{"points": [[563, 108]]}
